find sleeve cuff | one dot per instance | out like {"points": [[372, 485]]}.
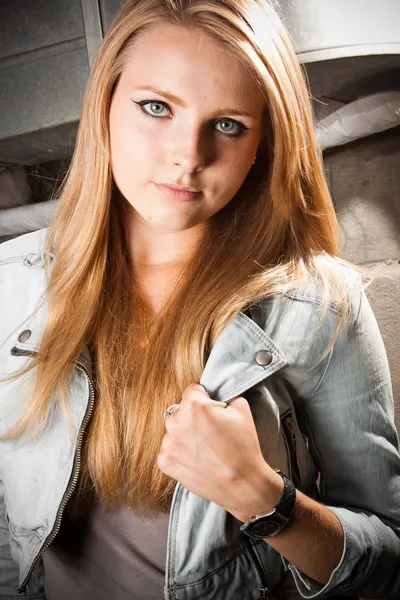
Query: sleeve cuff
{"points": [[341, 578]]}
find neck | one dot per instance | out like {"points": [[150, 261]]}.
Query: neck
{"points": [[153, 246]]}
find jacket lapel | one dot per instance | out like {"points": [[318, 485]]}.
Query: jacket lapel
{"points": [[242, 355]]}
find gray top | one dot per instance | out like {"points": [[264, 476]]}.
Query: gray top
{"points": [[107, 555]]}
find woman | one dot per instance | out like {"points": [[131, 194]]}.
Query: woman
{"points": [[193, 378]]}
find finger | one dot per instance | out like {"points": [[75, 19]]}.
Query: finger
{"points": [[174, 425], [242, 407], [196, 387], [240, 404], [194, 394], [172, 419]]}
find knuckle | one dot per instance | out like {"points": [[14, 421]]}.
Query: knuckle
{"points": [[165, 453], [198, 405], [193, 390], [172, 422], [196, 386], [169, 450], [194, 405], [162, 462], [168, 423], [166, 445]]}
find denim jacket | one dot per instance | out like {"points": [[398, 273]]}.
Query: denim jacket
{"points": [[328, 425]]}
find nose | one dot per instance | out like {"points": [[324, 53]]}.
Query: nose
{"points": [[191, 151]]}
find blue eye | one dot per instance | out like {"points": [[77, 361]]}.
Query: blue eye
{"points": [[156, 107], [227, 131], [233, 129]]}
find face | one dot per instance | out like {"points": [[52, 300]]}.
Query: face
{"points": [[185, 112]]}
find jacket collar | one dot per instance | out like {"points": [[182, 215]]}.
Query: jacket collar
{"points": [[242, 355]]}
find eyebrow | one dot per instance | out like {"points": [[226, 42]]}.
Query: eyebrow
{"points": [[180, 102]]}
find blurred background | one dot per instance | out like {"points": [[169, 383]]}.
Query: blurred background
{"points": [[350, 50]]}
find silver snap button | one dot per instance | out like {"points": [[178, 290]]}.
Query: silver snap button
{"points": [[263, 358], [24, 335], [28, 259], [33, 260]]}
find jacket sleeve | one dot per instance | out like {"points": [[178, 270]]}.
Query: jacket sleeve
{"points": [[9, 571], [349, 422], [8, 567]]}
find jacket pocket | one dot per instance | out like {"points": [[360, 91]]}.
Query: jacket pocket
{"points": [[288, 422]]}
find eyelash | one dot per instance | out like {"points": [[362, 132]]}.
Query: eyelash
{"points": [[142, 103]]}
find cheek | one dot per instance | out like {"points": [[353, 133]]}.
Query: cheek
{"points": [[128, 146], [133, 150], [233, 177]]}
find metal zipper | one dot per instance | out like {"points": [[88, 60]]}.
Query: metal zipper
{"points": [[287, 421], [264, 590], [20, 352]]}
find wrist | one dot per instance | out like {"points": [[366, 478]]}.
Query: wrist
{"points": [[271, 522], [267, 489]]}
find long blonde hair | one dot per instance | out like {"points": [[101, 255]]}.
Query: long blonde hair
{"points": [[278, 228]]}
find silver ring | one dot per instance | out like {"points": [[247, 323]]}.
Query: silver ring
{"points": [[170, 410]]}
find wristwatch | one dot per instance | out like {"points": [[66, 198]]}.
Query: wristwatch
{"points": [[270, 523]]}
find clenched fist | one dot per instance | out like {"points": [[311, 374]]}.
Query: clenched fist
{"points": [[212, 449]]}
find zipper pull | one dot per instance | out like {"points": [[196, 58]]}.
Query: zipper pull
{"points": [[264, 594]]}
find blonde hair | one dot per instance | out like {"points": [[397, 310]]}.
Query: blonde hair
{"points": [[253, 248]]}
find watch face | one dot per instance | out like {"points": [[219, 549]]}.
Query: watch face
{"points": [[263, 529]]}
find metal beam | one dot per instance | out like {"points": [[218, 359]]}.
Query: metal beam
{"points": [[93, 27]]}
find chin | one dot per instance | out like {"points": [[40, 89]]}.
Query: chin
{"points": [[172, 220], [173, 225]]}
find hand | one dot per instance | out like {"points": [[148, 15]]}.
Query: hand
{"points": [[212, 449]]}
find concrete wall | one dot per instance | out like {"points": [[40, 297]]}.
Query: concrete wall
{"points": [[364, 179]]}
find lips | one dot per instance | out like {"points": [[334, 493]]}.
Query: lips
{"points": [[180, 187], [184, 194]]}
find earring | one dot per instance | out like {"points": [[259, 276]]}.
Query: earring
{"points": [[254, 161]]}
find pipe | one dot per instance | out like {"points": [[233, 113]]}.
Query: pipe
{"points": [[358, 119], [15, 221]]}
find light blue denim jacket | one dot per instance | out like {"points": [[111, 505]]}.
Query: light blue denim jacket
{"points": [[334, 419]]}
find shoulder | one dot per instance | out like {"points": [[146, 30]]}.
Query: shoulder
{"points": [[302, 322], [23, 281], [343, 282], [342, 278], [18, 249]]}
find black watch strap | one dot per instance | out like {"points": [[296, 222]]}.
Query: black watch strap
{"points": [[270, 523], [288, 498]]}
